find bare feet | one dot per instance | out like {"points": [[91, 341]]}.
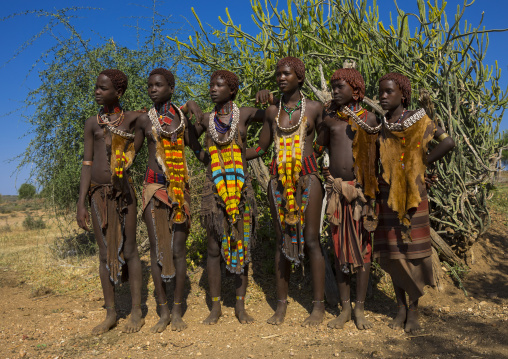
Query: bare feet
{"points": [[343, 318], [400, 318], [280, 313], [316, 317], [214, 315], [360, 320], [241, 313], [412, 322], [107, 324], [177, 322], [163, 321], [135, 322]]}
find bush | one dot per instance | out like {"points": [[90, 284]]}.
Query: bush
{"points": [[26, 191], [31, 223]]}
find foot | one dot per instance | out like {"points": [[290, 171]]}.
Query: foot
{"points": [[360, 320], [135, 322], [279, 315], [241, 313], [163, 321], [214, 315], [177, 322], [412, 323], [343, 318], [316, 317], [400, 318], [107, 324]]}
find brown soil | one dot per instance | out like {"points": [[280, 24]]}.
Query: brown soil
{"points": [[40, 322]]}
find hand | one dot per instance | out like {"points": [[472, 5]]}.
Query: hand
{"points": [[431, 179], [326, 172], [83, 218], [264, 96], [194, 110]]}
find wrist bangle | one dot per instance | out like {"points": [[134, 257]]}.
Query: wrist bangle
{"points": [[260, 151], [317, 148], [87, 163], [442, 137]]}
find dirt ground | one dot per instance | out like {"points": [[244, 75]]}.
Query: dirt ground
{"points": [[55, 320]]}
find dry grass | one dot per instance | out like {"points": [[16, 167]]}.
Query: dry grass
{"points": [[30, 253]]}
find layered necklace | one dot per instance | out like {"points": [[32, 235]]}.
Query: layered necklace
{"points": [[104, 113], [290, 111], [232, 125], [225, 110], [302, 113], [354, 114], [157, 122]]}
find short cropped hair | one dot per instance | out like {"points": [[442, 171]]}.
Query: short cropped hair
{"points": [[353, 78], [403, 83], [168, 75], [118, 78], [296, 64], [230, 78]]}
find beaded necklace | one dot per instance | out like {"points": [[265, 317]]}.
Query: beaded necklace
{"points": [[408, 122], [355, 117], [292, 128], [103, 117], [232, 126], [168, 113], [225, 109], [153, 114], [290, 111]]}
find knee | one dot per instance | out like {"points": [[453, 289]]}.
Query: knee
{"points": [[130, 252], [213, 252], [313, 244]]}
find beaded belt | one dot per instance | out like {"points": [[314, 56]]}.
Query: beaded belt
{"points": [[152, 177], [309, 165]]}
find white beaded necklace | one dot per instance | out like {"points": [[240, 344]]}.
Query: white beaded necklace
{"points": [[232, 130], [154, 117], [302, 113], [359, 122]]}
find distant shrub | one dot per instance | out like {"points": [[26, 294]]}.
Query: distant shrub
{"points": [[31, 223], [26, 191]]}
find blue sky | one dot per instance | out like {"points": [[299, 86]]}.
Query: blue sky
{"points": [[109, 23]]}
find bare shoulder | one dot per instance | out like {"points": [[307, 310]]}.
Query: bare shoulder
{"points": [[271, 112], [143, 120], [90, 122], [314, 105], [372, 120]]}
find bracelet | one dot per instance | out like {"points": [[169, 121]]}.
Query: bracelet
{"points": [[442, 137], [87, 163], [259, 151], [318, 148]]}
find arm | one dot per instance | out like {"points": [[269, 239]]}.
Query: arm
{"points": [[265, 138], [191, 140], [445, 145], [192, 108], [139, 132], [82, 216]]}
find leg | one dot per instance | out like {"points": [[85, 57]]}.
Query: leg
{"points": [[131, 255], [241, 281], [214, 279], [344, 284], [362, 281], [160, 288], [108, 288], [314, 251], [179, 254], [400, 318], [282, 269], [412, 322]]}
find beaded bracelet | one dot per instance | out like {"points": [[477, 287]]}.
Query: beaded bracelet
{"points": [[260, 151]]}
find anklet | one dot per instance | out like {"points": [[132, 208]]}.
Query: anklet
{"points": [[112, 307], [318, 301], [284, 301], [175, 303], [359, 301], [239, 297], [346, 301], [166, 302], [215, 299], [413, 310], [136, 306]]}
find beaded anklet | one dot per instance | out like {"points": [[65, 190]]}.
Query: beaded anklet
{"points": [[215, 299], [112, 307], [166, 302], [239, 297], [175, 303], [318, 301], [284, 301], [359, 301]]}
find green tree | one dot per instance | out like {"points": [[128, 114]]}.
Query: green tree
{"points": [[26, 191], [443, 59], [65, 97]]}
